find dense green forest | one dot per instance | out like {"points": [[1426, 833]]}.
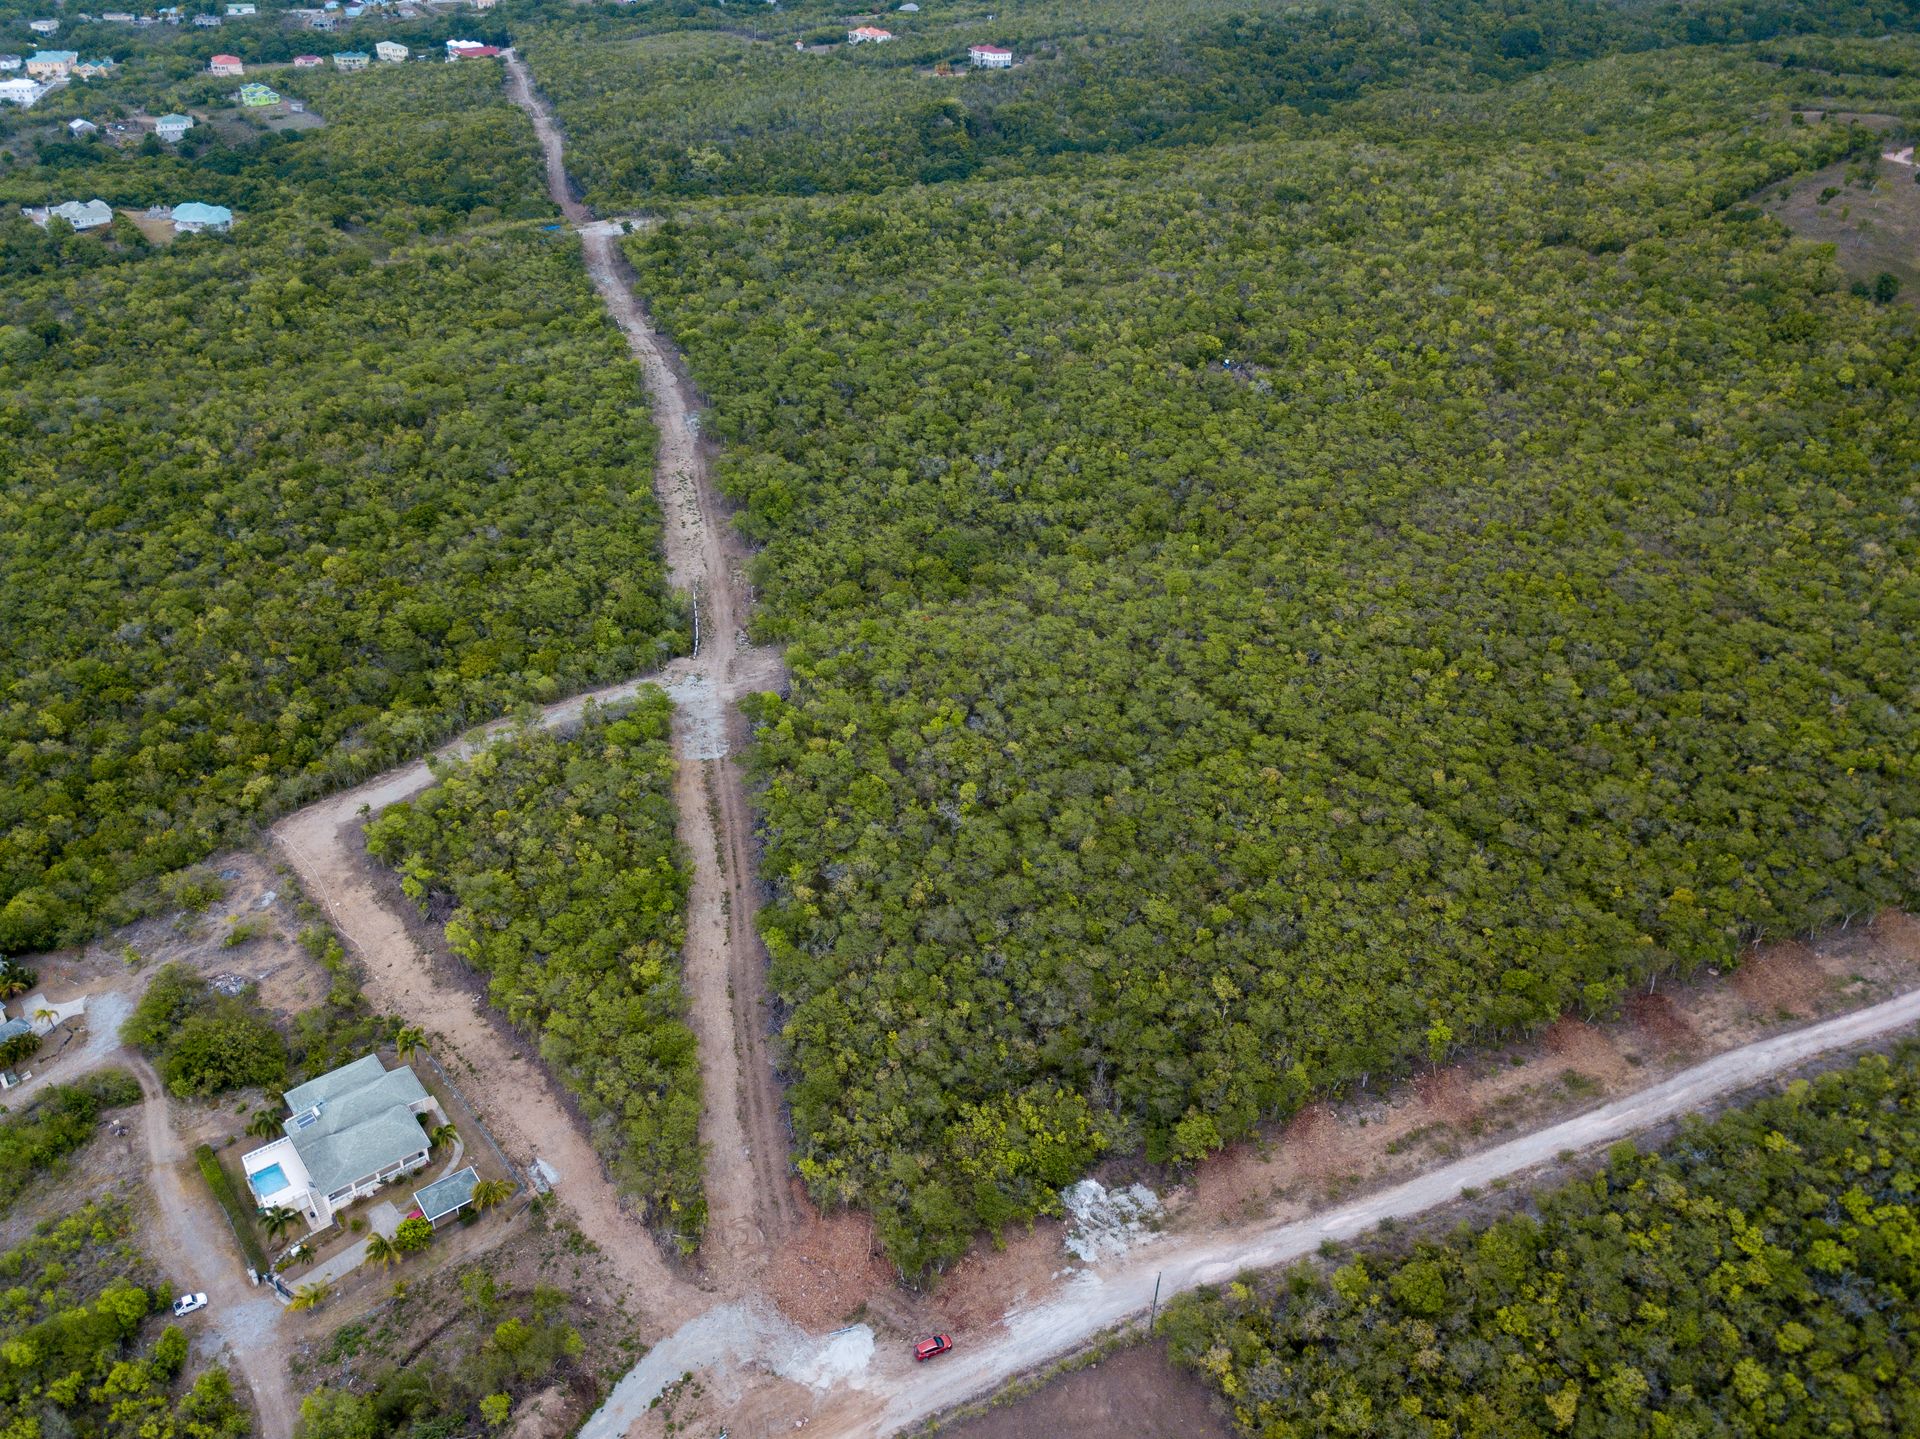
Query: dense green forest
{"points": [[283, 507], [553, 862], [1263, 615], [1756, 1278], [717, 103], [81, 1349]]}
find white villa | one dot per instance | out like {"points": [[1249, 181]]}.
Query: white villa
{"points": [[989, 57], [348, 1133]]}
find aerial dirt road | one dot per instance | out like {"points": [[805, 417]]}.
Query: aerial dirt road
{"points": [[1102, 1298], [743, 1125], [192, 1243]]}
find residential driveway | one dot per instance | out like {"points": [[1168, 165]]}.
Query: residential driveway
{"points": [[193, 1244], [382, 1219]]}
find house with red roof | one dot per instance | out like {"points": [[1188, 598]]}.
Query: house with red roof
{"points": [[225, 65], [990, 57], [868, 35]]}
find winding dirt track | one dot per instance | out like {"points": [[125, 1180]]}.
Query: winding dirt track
{"points": [[743, 1126]]}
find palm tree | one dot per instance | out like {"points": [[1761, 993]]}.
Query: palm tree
{"points": [[263, 1124], [381, 1251], [278, 1220], [489, 1192], [409, 1040], [43, 1015], [444, 1134], [311, 1296], [15, 980]]}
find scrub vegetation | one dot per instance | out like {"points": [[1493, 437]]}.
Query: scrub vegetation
{"points": [[82, 1350], [1754, 1278], [553, 863], [282, 508], [1266, 615]]}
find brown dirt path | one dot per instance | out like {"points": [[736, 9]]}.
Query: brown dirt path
{"points": [[743, 1124], [193, 1245]]}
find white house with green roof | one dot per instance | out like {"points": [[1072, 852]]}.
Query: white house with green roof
{"points": [[347, 1134]]}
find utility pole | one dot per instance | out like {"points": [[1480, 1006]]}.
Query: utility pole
{"points": [[1155, 1310]]}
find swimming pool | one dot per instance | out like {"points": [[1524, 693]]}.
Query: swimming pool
{"points": [[270, 1180]]}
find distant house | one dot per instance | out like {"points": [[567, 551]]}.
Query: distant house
{"points": [[346, 1134], [207, 22], [20, 92], [44, 27], [117, 17], [484, 4], [391, 52], [307, 62], [93, 69], [226, 65], [989, 57], [868, 35], [10, 62], [81, 214], [243, 10], [323, 22], [254, 95], [81, 127], [193, 217], [52, 64], [351, 60], [173, 128], [471, 50]]}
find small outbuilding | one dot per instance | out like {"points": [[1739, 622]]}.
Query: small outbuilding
{"points": [[77, 128], [445, 1198]]}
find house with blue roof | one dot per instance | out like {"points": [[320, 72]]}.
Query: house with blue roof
{"points": [[193, 218]]}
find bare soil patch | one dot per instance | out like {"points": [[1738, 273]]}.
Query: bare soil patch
{"points": [[1447, 1094], [822, 1272], [1782, 981], [1872, 228], [1584, 1048], [1136, 1392], [1665, 1029]]}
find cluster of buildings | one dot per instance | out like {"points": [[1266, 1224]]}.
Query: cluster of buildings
{"points": [[981, 57], [43, 70], [192, 218]]}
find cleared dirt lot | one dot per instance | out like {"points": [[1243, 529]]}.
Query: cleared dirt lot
{"points": [[1134, 1392], [1873, 221]]}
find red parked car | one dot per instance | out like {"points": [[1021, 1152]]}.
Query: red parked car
{"points": [[932, 1348]]}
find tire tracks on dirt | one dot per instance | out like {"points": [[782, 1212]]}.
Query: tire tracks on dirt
{"points": [[743, 1127]]}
